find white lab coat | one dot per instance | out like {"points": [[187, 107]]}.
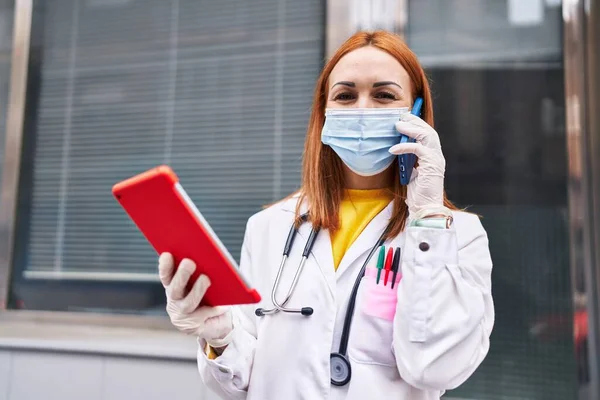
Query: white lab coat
{"points": [[438, 337]]}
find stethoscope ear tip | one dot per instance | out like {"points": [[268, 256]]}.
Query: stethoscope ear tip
{"points": [[306, 311], [259, 312]]}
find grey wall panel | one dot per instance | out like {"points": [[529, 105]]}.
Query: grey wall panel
{"points": [[55, 376], [126, 379], [5, 361]]}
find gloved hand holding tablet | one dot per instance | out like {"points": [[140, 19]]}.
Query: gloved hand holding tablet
{"points": [[164, 213]]}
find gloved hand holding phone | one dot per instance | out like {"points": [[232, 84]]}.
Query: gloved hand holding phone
{"points": [[213, 324], [425, 192]]}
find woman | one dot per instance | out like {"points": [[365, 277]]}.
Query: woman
{"points": [[423, 337]]}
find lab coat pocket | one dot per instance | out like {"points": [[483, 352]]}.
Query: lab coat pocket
{"points": [[372, 331], [380, 299]]}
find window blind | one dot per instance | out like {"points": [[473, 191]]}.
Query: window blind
{"points": [[221, 91]]}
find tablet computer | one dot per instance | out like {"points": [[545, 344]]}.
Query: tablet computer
{"points": [[167, 217]]}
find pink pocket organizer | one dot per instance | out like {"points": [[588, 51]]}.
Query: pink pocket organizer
{"points": [[380, 300]]}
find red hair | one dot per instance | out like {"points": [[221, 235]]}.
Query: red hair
{"points": [[322, 173]]}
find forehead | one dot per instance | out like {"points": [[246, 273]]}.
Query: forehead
{"points": [[368, 64]]}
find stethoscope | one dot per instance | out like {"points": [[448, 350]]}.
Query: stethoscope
{"points": [[340, 368]]}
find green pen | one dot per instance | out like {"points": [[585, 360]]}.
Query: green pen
{"points": [[380, 262]]}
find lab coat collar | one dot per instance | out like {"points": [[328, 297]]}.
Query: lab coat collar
{"points": [[366, 240], [289, 205], [322, 250], [321, 254]]}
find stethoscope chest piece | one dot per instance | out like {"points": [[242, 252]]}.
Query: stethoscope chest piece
{"points": [[340, 369]]}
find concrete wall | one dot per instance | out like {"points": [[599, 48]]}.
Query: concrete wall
{"points": [[70, 358], [26, 375]]}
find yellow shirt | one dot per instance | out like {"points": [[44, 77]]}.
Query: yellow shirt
{"points": [[357, 209]]}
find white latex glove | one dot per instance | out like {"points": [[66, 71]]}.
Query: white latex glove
{"points": [[213, 324], [425, 191]]}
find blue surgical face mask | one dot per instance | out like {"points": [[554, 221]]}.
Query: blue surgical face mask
{"points": [[361, 137]]}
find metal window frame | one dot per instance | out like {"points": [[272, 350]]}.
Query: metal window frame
{"points": [[23, 15], [9, 196], [581, 20], [9, 191], [14, 134]]}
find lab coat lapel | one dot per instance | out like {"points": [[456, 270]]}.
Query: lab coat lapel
{"points": [[366, 240], [322, 254]]}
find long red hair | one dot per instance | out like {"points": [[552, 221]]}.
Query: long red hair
{"points": [[322, 173]]}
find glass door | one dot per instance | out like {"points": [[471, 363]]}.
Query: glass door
{"points": [[498, 82]]}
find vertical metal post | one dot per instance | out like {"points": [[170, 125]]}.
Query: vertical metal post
{"points": [[14, 135], [592, 147], [338, 25], [582, 86], [346, 17]]}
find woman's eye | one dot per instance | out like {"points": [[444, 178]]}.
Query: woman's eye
{"points": [[344, 96], [385, 95]]}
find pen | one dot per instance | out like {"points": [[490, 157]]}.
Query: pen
{"points": [[388, 264], [395, 266], [380, 261]]}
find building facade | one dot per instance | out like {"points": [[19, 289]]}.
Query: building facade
{"points": [[95, 91]]}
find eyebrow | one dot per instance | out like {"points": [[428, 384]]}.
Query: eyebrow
{"points": [[375, 85], [345, 83], [386, 83]]}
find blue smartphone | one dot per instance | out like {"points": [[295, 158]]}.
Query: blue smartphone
{"points": [[406, 162]]}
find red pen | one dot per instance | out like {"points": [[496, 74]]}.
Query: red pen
{"points": [[388, 264]]}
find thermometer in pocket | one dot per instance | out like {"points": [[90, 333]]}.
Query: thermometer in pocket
{"points": [[407, 161]]}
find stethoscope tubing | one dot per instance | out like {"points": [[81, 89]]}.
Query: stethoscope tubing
{"points": [[306, 311], [341, 370], [352, 302]]}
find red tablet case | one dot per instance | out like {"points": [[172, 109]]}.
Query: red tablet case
{"points": [[170, 221]]}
